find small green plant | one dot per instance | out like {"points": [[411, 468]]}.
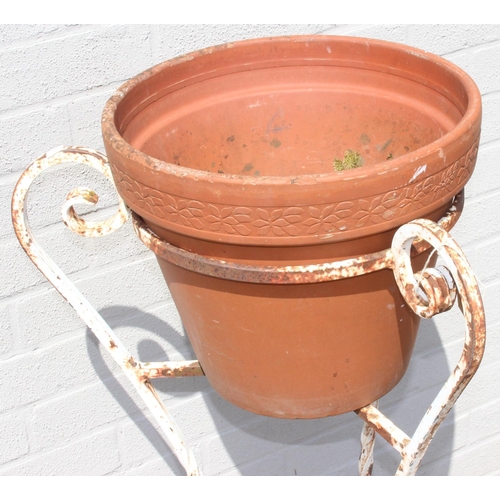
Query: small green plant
{"points": [[352, 159]]}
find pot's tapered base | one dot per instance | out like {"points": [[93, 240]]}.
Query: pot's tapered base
{"points": [[297, 351]]}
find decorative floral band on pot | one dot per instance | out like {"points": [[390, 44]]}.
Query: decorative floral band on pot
{"points": [[287, 153]]}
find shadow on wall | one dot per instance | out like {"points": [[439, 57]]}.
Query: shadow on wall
{"points": [[259, 445]]}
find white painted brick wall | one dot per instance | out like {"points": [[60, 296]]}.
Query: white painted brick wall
{"points": [[65, 408]]}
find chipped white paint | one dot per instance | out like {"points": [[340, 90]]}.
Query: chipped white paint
{"points": [[420, 170], [459, 277], [365, 462], [70, 293]]}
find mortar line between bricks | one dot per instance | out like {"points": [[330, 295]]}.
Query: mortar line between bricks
{"points": [[493, 240], [74, 335], [43, 38], [6, 114], [60, 339], [40, 453], [474, 244], [491, 94], [127, 459], [14, 325], [118, 377], [120, 467], [79, 277], [345, 29], [98, 212], [468, 448], [311, 440], [154, 43], [425, 353], [120, 440], [138, 467], [20, 350], [390, 409], [10, 178], [433, 387], [472, 48], [489, 144], [485, 405], [79, 330], [328, 30], [50, 228], [83, 276], [480, 197], [45, 344], [25, 412]]}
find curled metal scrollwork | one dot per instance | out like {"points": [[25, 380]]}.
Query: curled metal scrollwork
{"points": [[79, 195], [428, 293], [138, 374], [432, 290]]}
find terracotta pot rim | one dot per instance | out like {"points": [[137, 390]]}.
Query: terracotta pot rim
{"points": [[471, 115]]}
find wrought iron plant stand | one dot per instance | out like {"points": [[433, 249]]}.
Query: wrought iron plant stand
{"points": [[428, 292]]}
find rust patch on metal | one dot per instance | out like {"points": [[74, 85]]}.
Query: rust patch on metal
{"points": [[365, 463], [130, 361], [429, 292], [171, 369], [260, 274], [384, 427], [280, 275]]}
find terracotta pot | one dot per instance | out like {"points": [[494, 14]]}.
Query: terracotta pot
{"points": [[228, 153]]}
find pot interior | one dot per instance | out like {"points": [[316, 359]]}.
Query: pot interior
{"points": [[238, 144], [290, 120]]}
